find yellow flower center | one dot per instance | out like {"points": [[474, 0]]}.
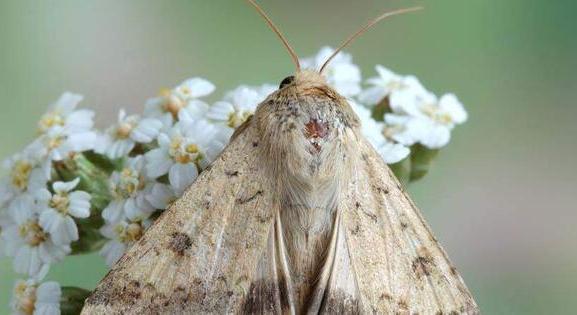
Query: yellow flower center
{"points": [[50, 120], [20, 174], [130, 182], [60, 202], [130, 233], [32, 233], [390, 130], [185, 90], [235, 119], [395, 85], [123, 130], [26, 297], [434, 113], [55, 142], [184, 153], [172, 103]]}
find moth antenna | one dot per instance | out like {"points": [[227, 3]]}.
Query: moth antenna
{"points": [[364, 29], [276, 30]]}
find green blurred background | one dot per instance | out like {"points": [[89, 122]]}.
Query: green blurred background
{"points": [[501, 197]]}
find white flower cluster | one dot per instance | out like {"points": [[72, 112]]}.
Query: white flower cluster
{"points": [[39, 209], [415, 115], [149, 160]]}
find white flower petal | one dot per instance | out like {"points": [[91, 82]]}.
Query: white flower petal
{"points": [[194, 88], [79, 206], [158, 162], [393, 153], [78, 121], [112, 251], [160, 195], [181, 176], [146, 130], [220, 111], [136, 211], [81, 141], [120, 148], [450, 105], [64, 187], [114, 211]]}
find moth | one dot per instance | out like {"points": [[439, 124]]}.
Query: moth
{"points": [[298, 215]]}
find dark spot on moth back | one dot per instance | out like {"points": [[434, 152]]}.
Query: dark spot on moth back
{"points": [[179, 243], [316, 129]]}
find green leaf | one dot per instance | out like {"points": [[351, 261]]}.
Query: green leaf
{"points": [[102, 162], [421, 160], [72, 300]]}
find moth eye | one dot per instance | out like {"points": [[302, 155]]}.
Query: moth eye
{"points": [[287, 81]]}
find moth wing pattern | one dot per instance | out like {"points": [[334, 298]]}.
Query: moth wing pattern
{"points": [[399, 267], [200, 255]]}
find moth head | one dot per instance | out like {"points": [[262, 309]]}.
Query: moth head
{"points": [[303, 78]]}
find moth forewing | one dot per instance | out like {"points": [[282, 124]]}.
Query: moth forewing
{"points": [[200, 255], [400, 267]]}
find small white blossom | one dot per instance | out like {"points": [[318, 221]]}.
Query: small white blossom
{"points": [[58, 210], [121, 138], [401, 128], [63, 114], [195, 110], [185, 150], [341, 73], [24, 175], [121, 236], [34, 298], [388, 83], [167, 106], [194, 88], [432, 119], [31, 246], [57, 144], [239, 104], [131, 191], [390, 151]]}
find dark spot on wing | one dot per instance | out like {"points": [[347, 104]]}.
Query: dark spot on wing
{"points": [[403, 305], [179, 243], [422, 266], [241, 200], [110, 293], [231, 173], [264, 297]]}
